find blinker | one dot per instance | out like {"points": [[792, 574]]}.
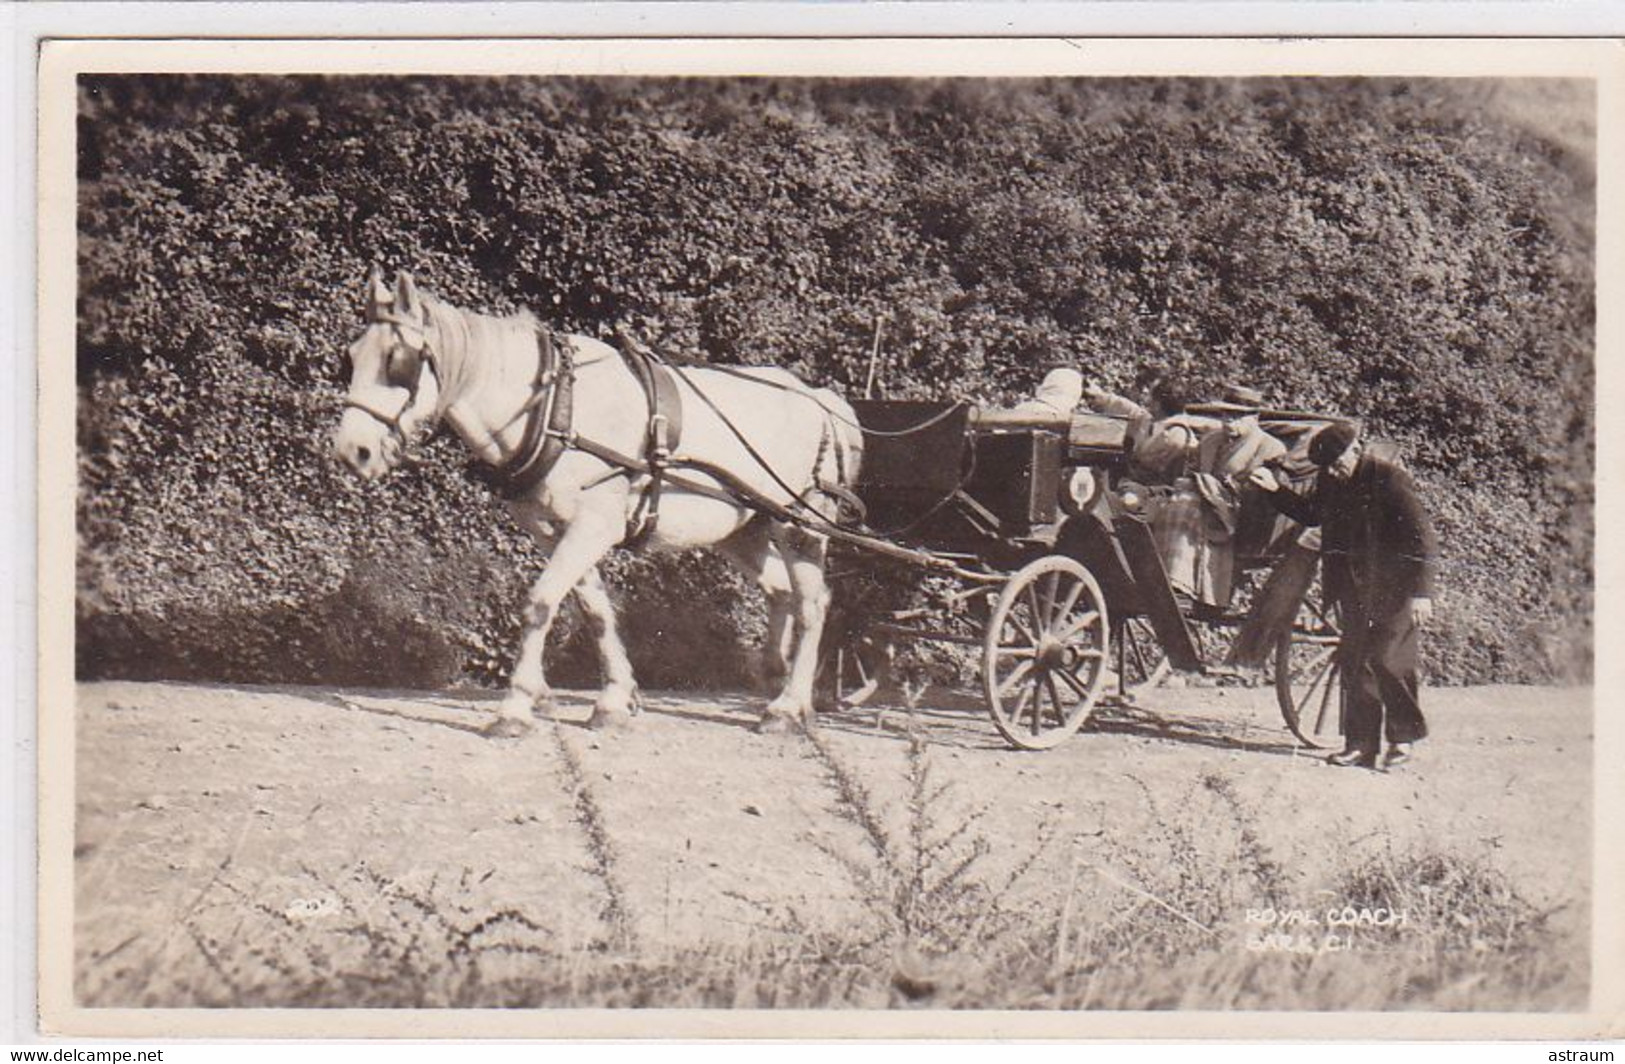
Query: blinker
{"points": [[405, 367], [405, 363]]}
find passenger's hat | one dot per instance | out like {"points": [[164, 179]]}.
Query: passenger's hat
{"points": [[1242, 395], [1328, 445], [1238, 399]]}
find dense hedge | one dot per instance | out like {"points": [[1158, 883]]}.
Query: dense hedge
{"points": [[1405, 251]]}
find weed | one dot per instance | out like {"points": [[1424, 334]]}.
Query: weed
{"points": [[1160, 917], [934, 915], [600, 849]]}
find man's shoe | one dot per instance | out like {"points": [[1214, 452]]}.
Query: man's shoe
{"points": [[1354, 757], [1398, 754]]}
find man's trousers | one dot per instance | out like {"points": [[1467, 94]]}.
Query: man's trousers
{"points": [[1380, 681]]}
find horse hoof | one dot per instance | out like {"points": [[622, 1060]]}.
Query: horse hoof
{"points": [[779, 724], [518, 705], [508, 728], [608, 720]]}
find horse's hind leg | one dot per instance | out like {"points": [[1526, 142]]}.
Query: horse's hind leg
{"points": [[577, 552], [620, 692], [751, 549], [804, 554]]}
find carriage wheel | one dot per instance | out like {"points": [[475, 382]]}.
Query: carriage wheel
{"points": [[1141, 663], [857, 668], [1045, 654], [1309, 674]]}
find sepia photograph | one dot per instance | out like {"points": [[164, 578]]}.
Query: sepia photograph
{"points": [[1070, 534]]}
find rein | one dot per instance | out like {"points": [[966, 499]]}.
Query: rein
{"points": [[549, 432]]}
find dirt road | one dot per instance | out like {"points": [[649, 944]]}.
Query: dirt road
{"points": [[690, 828]]}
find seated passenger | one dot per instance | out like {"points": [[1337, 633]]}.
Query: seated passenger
{"points": [[1244, 445], [1244, 518], [1196, 524], [1168, 451], [1059, 394], [1101, 401]]}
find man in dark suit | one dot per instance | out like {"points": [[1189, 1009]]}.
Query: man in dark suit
{"points": [[1379, 550]]}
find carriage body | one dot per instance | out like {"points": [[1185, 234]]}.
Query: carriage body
{"points": [[1015, 499], [953, 478]]}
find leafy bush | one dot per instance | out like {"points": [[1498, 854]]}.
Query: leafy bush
{"points": [[1410, 252]]}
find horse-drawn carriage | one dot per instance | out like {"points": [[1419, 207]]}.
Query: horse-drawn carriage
{"points": [[1028, 521], [1056, 578]]}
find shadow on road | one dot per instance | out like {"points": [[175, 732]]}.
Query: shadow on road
{"points": [[411, 707], [946, 717], [734, 709], [961, 721], [1190, 730]]}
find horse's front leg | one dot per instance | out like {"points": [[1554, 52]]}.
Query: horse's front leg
{"points": [[804, 555], [779, 644], [577, 553], [620, 694]]}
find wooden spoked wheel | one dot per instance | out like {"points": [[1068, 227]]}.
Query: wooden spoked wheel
{"points": [[1309, 674], [1045, 654], [1141, 663]]}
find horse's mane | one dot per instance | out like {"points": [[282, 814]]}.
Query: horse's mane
{"points": [[481, 345]]}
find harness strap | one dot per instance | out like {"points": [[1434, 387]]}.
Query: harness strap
{"points": [[647, 513], [666, 422], [734, 490], [664, 434], [392, 422], [549, 433], [849, 507], [547, 428], [828, 445]]}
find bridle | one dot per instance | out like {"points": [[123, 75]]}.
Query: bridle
{"points": [[408, 374]]}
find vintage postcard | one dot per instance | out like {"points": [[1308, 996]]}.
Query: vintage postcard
{"points": [[759, 538]]}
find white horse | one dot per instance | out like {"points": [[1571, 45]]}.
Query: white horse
{"points": [[761, 462]]}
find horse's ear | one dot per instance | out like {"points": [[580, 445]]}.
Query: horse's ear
{"points": [[378, 295], [406, 294]]}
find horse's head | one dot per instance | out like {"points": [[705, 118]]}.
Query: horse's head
{"points": [[393, 386]]}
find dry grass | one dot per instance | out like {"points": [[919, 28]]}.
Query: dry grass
{"points": [[1157, 919], [600, 849]]}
